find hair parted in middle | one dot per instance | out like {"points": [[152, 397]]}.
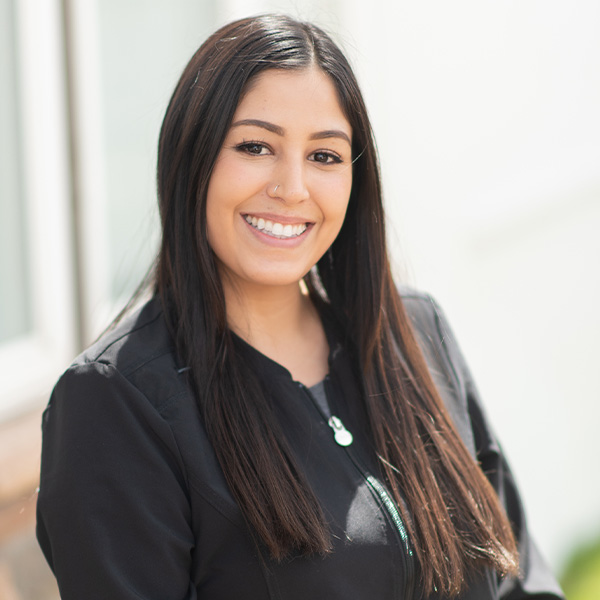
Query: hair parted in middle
{"points": [[422, 457]]}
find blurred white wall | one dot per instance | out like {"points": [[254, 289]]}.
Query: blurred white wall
{"points": [[487, 120], [488, 124]]}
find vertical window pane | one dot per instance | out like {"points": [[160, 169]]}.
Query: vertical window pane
{"points": [[15, 310], [143, 51]]}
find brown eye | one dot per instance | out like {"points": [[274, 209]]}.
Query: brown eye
{"points": [[254, 148], [326, 158]]}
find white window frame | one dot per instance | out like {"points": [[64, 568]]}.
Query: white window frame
{"points": [[88, 134], [29, 364]]}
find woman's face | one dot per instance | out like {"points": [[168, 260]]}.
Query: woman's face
{"points": [[280, 187]]}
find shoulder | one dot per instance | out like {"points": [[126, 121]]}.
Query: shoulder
{"points": [[137, 356], [140, 338], [124, 392], [424, 314], [429, 322], [443, 356]]}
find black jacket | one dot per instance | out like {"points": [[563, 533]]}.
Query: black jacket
{"points": [[133, 503]]}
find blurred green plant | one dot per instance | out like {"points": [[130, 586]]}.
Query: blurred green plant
{"points": [[581, 576]]}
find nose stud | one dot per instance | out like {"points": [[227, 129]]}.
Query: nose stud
{"points": [[275, 190]]}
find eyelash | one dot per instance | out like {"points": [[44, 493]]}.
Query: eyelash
{"points": [[331, 157], [245, 147], [335, 159]]}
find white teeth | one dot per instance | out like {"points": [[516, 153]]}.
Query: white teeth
{"points": [[276, 229]]}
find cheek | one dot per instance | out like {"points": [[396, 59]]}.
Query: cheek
{"points": [[335, 197], [232, 179], [219, 213]]}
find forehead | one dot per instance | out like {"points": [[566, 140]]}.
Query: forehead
{"points": [[306, 96]]}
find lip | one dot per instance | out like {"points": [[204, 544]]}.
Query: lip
{"points": [[273, 241], [283, 219]]}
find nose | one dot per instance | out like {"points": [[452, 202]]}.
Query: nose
{"points": [[289, 182]]}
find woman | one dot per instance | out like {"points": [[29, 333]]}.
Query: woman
{"points": [[277, 421]]}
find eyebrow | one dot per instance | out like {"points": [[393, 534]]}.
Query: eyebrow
{"points": [[319, 135]]}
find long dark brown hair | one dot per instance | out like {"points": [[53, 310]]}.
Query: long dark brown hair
{"points": [[455, 521]]}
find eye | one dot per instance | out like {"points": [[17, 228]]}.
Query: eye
{"points": [[253, 148], [326, 158]]}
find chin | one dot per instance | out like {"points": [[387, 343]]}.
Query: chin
{"points": [[279, 278]]}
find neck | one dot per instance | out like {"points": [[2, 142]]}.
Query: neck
{"points": [[281, 323], [262, 315]]}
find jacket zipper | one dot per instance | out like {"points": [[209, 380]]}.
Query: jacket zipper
{"points": [[340, 434], [343, 437], [392, 510]]}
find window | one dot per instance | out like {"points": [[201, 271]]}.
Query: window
{"points": [[15, 310], [125, 63], [37, 329]]}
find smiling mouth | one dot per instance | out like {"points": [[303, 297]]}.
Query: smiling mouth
{"points": [[276, 230]]}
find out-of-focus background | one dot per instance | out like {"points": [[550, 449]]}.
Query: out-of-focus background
{"points": [[487, 117]]}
